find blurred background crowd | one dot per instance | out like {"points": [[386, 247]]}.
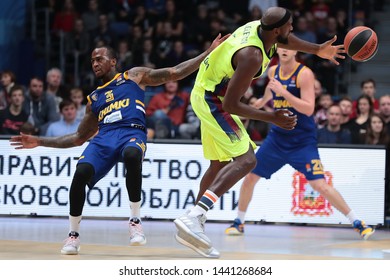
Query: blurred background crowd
{"points": [[47, 74]]}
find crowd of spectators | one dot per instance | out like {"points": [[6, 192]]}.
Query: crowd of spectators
{"points": [[160, 33]]}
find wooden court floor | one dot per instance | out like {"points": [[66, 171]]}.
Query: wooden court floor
{"points": [[38, 238]]}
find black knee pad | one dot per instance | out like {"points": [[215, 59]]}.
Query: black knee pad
{"points": [[132, 157], [84, 172]]}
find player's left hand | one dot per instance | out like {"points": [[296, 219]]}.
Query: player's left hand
{"points": [[217, 41], [276, 86], [330, 52]]}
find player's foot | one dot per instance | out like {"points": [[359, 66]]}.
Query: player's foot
{"points": [[71, 244], [209, 252], [137, 236], [364, 230], [237, 228], [191, 229]]}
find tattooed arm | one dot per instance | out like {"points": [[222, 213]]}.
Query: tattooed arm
{"points": [[87, 128], [144, 76]]}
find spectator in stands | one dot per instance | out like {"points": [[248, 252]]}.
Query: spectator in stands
{"points": [[125, 57], [13, 117], [342, 21], [167, 110], [321, 12], [102, 33], [215, 27], [137, 40], [190, 129], [155, 8], [384, 110], [28, 128], [376, 133], [176, 56], [91, 16], [320, 116], [40, 106], [177, 53], [68, 124], [65, 18], [142, 19], [367, 87], [345, 104], [174, 17], [77, 46], [318, 91], [54, 87], [7, 82], [229, 22], [148, 57], [77, 97], [255, 12], [302, 32], [358, 126], [164, 41], [327, 71], [199, 26], [332, 133]]}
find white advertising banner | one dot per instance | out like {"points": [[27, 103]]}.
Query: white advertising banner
{"points": [[37, 182]]}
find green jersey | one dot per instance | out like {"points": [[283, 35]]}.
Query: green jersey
{"points": [[217, 68]]}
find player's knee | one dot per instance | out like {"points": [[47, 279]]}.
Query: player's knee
{"points": [[84, 172], [321, 186], [132, 157], [250, 162]]}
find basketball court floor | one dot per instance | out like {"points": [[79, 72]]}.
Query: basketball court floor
{"points": [[40, 238]]}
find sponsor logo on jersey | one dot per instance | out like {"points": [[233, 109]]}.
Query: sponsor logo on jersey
{"points": [[94, 96], [117, 105]]}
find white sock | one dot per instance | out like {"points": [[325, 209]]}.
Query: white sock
{"points": [[135, 210], [74, 223], [241, 216], [351, 216], [196, 211]]}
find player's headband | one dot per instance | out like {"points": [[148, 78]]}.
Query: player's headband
{"points": [[277, 24]]}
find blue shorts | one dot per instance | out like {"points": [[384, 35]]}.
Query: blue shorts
{"points": [[272, 155], [106, 149]]}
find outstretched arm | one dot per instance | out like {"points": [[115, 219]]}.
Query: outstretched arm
{"points": [[154, 77], [87, 128], [325, 50]]}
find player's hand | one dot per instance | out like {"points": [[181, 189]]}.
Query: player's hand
{"points": [[330, 52], [24, 141], [217, 41], [276, 86], [285, 119]]}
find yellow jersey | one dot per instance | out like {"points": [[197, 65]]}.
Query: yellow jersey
{"points": [[217, 68]]}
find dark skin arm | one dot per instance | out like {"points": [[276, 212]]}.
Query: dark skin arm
{"points": [[87, 128], [248, 62], [144, 76], [324, 50]]}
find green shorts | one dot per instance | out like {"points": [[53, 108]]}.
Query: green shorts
{"points": [[224, 136]]}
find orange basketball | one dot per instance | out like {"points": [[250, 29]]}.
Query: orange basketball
{"points": [[361, 43]]}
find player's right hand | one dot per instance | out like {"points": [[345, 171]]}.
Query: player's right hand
{"points": [[24, 141], [285, 119]]}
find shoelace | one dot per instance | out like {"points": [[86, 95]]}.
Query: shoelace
{"points": [[71, 241], [135, 229]]}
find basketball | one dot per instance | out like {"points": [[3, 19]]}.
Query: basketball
{"points": [[361, 43]]}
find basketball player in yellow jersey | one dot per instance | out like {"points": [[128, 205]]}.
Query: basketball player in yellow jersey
{"points": [[223, 77]]}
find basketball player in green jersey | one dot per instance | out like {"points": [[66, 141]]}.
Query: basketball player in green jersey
{"points": [[223, 77]]}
